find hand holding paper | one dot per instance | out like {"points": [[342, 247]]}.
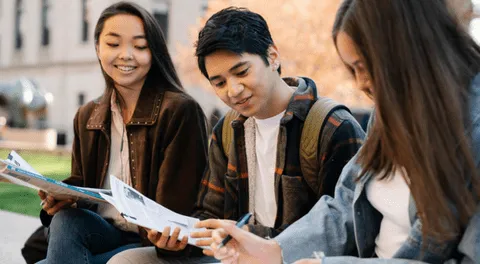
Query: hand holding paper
{"points": [[142, 211], [51, 205], [164, 241]]}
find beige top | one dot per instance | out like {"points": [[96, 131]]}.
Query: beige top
{"points": [[119, 165]]}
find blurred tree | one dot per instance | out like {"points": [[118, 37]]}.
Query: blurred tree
{"points": [[301, 29], [462, 10]]}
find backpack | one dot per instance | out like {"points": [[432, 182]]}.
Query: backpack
{"points": [[314, 124]]}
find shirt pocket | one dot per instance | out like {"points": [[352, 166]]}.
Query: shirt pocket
{"points": [[294, 198], [231, 197], [232, 186]]}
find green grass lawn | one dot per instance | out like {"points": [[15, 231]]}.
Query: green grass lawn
{"points": [[24, 200]]}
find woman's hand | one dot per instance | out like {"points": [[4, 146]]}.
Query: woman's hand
{"points": [[244, 247], [204, 238], [51, 205]]}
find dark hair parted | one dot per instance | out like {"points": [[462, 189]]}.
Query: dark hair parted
{"points": [[162, 72], [237, 30], [421, 63]]}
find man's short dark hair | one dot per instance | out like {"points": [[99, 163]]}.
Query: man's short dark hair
{"points": [[234, 29]]}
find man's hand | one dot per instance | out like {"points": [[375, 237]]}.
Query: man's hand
{"points": [[51, 205], [163, 240], [204, 238]]}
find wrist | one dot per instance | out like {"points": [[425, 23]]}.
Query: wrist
{"points": [[276, 256]]}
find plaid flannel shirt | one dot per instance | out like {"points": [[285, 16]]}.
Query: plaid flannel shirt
{"points": [[224, 191]]}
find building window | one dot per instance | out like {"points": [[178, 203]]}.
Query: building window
{"points": [[162, 19], [81, 99], [18, 19], [85, 20], [204, 7], [160, 12], [45, 26]]}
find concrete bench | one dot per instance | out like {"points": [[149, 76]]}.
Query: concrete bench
{"points": [[28, 139]]}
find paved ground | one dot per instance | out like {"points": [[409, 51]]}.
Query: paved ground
{"points": [[14, 230]]}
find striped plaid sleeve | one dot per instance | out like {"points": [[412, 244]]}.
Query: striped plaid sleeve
{"points": [[211, 197], [345, 142]]}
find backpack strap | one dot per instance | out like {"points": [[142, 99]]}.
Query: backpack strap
{"points": [[227, 130], [316, 119]]}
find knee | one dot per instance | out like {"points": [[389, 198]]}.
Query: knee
{"points": [[124, 257], [69, 220], [144, 255]]}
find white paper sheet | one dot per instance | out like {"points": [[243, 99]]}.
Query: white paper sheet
{"points": [[140, 210]]}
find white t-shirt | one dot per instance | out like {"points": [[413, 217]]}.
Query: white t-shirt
{"points": [[266, 138], [391, 198]]}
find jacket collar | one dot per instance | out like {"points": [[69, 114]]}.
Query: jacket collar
{"points": [[302, 99], [146, 111], [300, 102]]}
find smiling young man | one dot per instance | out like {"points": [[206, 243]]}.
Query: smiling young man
{"points": [[261, 173], [257, 168]]}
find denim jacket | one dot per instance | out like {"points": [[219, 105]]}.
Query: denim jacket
{"points": [[344, 228]]}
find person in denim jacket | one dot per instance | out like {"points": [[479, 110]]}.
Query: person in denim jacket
{"points": [[412, 190]]}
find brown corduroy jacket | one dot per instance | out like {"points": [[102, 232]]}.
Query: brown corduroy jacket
{"points": [[167, 142]]}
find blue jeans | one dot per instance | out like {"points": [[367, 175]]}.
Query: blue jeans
{"points": [[82, 236]]}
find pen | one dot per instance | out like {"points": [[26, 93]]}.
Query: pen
{"points": [[318, 255], [243, 220], [128, 216]]}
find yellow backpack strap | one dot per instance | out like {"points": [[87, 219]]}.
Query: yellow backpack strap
{"points": [[315, 121], [227, 130]]}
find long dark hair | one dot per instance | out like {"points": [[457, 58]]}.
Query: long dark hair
{"points": [[162, 72], [421, 63]]}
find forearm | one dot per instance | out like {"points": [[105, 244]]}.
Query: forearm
{"points": [[347, 260]]}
